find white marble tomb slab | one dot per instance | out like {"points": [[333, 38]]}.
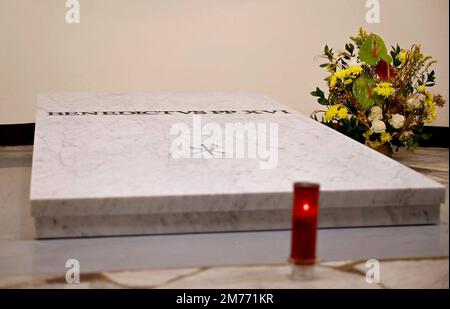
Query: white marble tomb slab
{"points": [[103, 165]]}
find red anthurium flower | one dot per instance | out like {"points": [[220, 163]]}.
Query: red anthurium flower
{"points": [[384, 70]]}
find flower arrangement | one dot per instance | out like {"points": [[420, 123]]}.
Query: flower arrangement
{"points": [[378, 98]]}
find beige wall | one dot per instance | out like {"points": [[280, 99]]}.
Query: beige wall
{"points": [[266, 46]]}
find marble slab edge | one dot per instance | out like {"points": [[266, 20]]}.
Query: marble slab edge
{"points": [[253, 220], [232, 202]]}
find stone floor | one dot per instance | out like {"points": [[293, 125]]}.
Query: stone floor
{"points": [[407, 272], [404, 273]]}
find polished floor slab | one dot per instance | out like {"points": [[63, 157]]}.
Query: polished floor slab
{"points": [[217, 249]]}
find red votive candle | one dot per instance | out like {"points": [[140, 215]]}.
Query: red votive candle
{"points": [[305, 212]]}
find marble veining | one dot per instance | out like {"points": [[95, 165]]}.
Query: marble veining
{"points": [[195, 222], [120, 165]]}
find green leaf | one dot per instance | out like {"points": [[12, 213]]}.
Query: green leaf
{"points": [[318, 93], [364, 93], [431, 78], [323, 101], [425, 136], [321, 96], [394, 53], [386, 58], [350, 48], [328, 52], [373, 49]]}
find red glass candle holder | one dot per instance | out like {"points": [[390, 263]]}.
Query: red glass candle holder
{"points": [[305, 212]]}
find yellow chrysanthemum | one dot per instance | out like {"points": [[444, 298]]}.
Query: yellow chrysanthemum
{"points": [[355, 70], [421, 88], [341, 74], [374, 144], [348, 81], [333, 81], [385, 137], [384, 89], [332, 112], [430, 107], [402, 56], [347, 74], [342, 113], [432, 113]]}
